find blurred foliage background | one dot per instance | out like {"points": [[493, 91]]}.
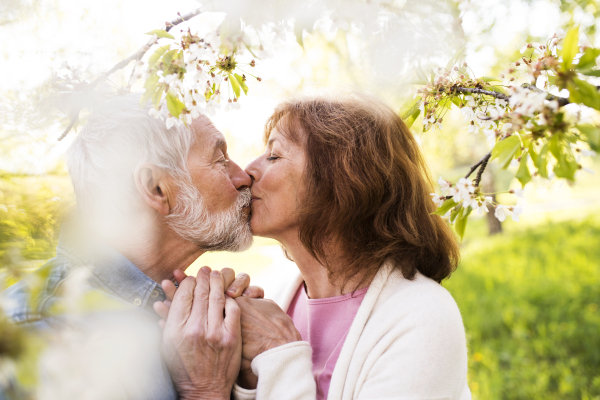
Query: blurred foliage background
{"points": [[529, 294]]}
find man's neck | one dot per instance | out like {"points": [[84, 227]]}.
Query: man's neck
{"points": [[157, 251]]}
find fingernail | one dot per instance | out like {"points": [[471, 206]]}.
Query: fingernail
{"points": [[215, 273], [206, 270], [231, 290]]}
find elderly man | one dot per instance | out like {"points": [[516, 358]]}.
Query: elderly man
{"points": [[150, 201]]}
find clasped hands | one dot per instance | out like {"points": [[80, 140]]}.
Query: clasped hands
{"points": [[211, 335]]}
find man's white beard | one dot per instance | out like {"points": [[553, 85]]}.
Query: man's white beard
{"points": [[225, 231]]}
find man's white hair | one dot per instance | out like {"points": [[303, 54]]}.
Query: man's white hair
{"points": [[118, 136]]}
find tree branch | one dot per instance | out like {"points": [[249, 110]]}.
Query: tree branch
{"points": [[482, 91], [123, 63], [562, 101]]}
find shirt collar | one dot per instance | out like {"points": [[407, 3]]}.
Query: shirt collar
{"points": [[112, 271]]}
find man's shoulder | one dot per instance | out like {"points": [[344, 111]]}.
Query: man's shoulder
{"points": [[29, 300]]}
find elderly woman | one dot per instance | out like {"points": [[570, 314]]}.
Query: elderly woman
{"points": [[343, 186]]}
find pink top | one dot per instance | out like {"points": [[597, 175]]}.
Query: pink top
{"points": [[324, 323]]}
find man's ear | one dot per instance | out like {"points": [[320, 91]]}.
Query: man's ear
{"points": [[154, 186]]}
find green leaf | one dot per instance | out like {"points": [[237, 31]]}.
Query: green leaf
{"points": [[445, 207], [421, 74], [150, 85], [532, 153], [461, 221], [591, 134], [566, 166], [298, 31], [588, 59], [457, 56], [570, 47], [157, 55], [410, 112], [169, 57], [591, 72], [455, 213], [242, 83], [523, 174], [505, 150], [174, 105], [542, 162], [490, 79], [155, 100], [234, 85], [583, 92], [161, 34]]}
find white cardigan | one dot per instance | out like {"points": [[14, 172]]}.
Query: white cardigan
{"points": [[407, 341]]}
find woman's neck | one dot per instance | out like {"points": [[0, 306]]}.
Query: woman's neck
{"points": [[314, 273]]}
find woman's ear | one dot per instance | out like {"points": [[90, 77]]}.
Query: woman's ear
{"points": [[154, 185]]}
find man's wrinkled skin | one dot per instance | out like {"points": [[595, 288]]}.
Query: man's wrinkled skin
{"points": [[193, 333]]}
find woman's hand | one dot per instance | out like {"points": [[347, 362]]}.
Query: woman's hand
{"points": [[236, 286], [202, 338], [264, 326]]}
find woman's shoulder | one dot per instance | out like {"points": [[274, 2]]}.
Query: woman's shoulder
{"points": [[416, 302]]}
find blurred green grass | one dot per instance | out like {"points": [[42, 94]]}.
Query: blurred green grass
{"points": [[529, 300], [529, 297]]}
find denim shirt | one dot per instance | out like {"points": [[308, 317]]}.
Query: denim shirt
{"points": [[116, 277]]}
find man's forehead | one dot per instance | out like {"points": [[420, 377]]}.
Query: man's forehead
{"points": [[205, 130]]}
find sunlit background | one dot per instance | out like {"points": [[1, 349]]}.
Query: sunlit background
{"points": [[528, 294]]}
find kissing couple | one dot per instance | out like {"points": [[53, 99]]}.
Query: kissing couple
{"points": [[342, 185]]}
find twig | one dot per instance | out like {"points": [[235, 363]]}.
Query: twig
{"points": [[474, 167], [562, 101], [484, 163], [482, 91], [123, 63]]}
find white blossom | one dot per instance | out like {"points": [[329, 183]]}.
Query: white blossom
{"points": [[470, 101], [481, 206], [500, 212], [516, 212], [438, 200], [518, 192], [444, 184]]}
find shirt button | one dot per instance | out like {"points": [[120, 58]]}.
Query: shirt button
{"points": [[154, 294], [137, 301]]}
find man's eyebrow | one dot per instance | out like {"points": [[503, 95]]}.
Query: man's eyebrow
{"points": [[219, 143]]}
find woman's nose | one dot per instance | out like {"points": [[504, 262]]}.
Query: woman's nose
{"points": [[254, 170]]}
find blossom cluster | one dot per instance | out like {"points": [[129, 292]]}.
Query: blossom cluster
{"points": [[466, 194], [194, 76]]}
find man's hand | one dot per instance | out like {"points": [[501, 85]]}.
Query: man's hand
{"points": [[264, 326], [236, 286], [202, 338]]}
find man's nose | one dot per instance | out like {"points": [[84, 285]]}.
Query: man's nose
{"points": [[239, 177]]}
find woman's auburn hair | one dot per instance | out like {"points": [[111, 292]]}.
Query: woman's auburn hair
{"points": [[367, 188]]}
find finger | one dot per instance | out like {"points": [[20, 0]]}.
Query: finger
{"points": [[161, 309], [179, 275], [216, 304], [169, 288], [201, 294], [182, 303], [233, 317], [240, 284], [228, 276], [255, 292]]}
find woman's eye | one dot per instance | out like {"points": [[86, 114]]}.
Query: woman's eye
{"points": [[272, 158]]}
